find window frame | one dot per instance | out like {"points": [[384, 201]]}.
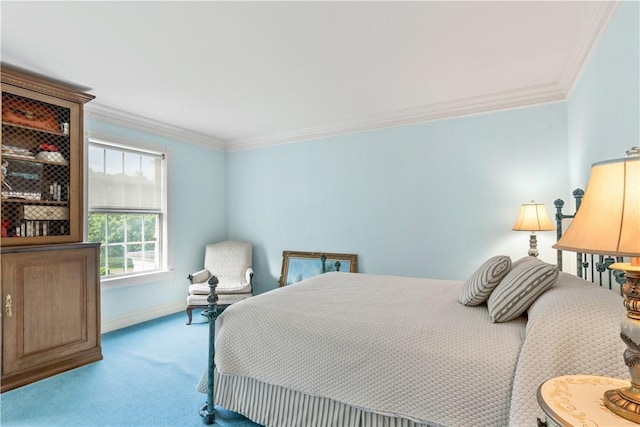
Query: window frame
{"points": [[166, 263]]}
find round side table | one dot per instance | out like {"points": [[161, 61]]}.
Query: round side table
{"points": [[577, 400]]}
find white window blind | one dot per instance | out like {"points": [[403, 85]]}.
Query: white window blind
{"points": [[124, 179]]}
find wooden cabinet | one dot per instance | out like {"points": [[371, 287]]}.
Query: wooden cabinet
{"points": [[50, 311], [42, 158], [50, 281]]}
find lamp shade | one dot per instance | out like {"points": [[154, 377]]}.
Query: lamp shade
{"points": [[533, 217], [608, 221]]}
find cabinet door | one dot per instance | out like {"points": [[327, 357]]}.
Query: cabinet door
{"points": [[41, 173], [50, 319], [42, 157]]}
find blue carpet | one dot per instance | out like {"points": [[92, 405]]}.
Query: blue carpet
{"points": [[147, 378]]}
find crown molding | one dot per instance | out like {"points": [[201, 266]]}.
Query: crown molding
{"points": [[144, 124], [583, 50], [517, 98]]}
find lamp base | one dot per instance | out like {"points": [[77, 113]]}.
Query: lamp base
{"points": [[624, 402], [533, 245]]}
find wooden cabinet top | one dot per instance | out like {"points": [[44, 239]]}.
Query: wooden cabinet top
{"points": [[16, 77]]}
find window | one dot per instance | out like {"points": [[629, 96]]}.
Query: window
{"points": [[127, 200]]}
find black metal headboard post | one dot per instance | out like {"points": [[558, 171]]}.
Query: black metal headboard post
{"points": [[559, 204], [588, 265]]}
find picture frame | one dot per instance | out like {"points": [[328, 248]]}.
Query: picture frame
{"points": [[297, 266]]}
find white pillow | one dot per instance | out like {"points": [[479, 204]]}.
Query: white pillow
{"points": [[520, 288], [478, 287]]}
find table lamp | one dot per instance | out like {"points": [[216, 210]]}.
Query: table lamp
{"points": [[533, 217], [608, 223]]}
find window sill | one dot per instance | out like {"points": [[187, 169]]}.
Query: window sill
{"points": [[135, 280]]}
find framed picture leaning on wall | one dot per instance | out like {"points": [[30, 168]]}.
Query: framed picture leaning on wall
{"points": [[297, 266]]}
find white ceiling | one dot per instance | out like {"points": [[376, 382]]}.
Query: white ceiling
{"points": [[247, 74]]}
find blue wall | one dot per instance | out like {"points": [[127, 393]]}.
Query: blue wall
{"points": [[431, 200]]}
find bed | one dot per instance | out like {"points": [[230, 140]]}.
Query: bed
{"points": [[345, 349]]}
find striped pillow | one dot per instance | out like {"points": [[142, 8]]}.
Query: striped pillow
{"points": [[520, 288], [477, 288], [528, 258]]}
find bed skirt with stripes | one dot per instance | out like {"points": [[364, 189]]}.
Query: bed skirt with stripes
{"points": [[272, 405]]}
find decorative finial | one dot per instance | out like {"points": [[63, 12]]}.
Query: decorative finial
{"points": [[633, 152]]}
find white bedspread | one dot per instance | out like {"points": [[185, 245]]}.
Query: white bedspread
{"points": [[573, 328], [405, 347], [394, 346]]}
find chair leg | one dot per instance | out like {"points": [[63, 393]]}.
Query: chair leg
{"points": [[189, 313]]}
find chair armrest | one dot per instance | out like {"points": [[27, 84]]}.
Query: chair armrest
{"points": [[249, 276], [199, 277]]}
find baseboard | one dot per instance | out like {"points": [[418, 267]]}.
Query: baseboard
{"points": [[136, 317]]}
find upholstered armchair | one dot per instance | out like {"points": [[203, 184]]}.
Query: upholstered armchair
{"points": [[230, 262]]}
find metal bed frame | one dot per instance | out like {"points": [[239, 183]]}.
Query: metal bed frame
{"points": [[208, 412], [594, 268]]}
